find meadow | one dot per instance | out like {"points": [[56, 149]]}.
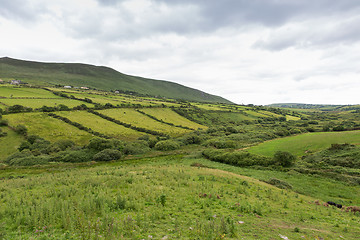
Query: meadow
{"points": [[305, 143], [162, 197]]}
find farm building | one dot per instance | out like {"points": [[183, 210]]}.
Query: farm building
{"points": [[67, 86], [15, 82], [86, 88]]}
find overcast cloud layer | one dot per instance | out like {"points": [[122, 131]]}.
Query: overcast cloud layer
{"points": [[258, 51]]}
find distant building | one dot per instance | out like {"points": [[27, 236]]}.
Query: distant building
{"points": [[67, 86], [15, 82], [86, 88], [1, 81], [117, 91]]}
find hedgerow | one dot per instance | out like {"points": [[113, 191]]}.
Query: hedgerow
{"points": [[237, 158]]}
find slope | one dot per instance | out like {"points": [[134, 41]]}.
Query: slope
{"points": [[99, 77]]}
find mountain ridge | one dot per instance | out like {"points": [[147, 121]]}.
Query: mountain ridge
{"points": [[99, 77]]}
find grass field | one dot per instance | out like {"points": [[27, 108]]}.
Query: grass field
{"points": [[101, 125], [9, 91], [160, 198], [9, 143], [47, 127], [38, 103], [299, 144], [137, 119], [168, 115]]}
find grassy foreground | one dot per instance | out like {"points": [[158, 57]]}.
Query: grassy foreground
{"points": [[166, 197]]}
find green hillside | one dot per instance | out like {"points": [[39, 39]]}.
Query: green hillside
{"points": [[99, 77]]}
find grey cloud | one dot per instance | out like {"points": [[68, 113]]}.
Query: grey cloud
{"points": [[18, 10]]}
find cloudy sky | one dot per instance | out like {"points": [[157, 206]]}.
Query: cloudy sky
{"points": [[248, 51]]}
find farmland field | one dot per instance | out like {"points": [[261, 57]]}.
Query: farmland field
{"points": [[38, 103], [15, 92], [168, 115], [47, 127], [299, 144], [9, 143], [137, 119], [98, 124]]}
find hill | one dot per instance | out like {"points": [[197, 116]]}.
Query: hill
{"points": [[321, 107], [99, 77]]}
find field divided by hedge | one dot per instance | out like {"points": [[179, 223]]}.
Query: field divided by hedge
{"points": [[131, 116], [47, 127], [168, 115], [101, 125]]}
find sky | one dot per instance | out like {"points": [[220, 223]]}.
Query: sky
{"points": [[247, 51]]}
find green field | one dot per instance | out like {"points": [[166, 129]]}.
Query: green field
{"points": [[16, 92], [168, 115], [38, 103], [137, 119], [310, 142], [98, 124], [47, 127], [9, 143], [162, 198]]}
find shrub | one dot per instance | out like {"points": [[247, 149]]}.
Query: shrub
{"points": [[284, 159], [237, 158], [21, 129], [4, 122], [99, 144], [167, 145], [137, 147], [22, 154], [75, 156], [30, 160], [107, 155], [63, 144]]}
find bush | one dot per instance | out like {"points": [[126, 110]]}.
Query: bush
{"points": [[21, 129], [237, 158], [63, 144], [30, 160], [284, 159], [99, 144], [167, 145], [4, 122], [137, 147], [107, 155], [74, 156]]}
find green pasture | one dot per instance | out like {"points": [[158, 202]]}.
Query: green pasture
{"points": [[9, 143], [292, 118], [137, 119], [38, 103], [168, 115], [309, 142], [101, 125], [25, 92], [159, 198], [47, 127]]}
